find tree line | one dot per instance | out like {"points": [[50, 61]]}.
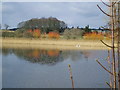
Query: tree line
{"points": [[47, 28]]}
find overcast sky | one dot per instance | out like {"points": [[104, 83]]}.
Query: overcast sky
{"points": [[72, 13]]}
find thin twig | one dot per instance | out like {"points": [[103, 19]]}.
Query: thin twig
{"points": [[104, 67], [109, 5], [105, 4], [103, 11], [114, 3], [107, 44], [108, 84]]}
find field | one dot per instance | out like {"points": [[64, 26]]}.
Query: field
{"points": [[53, 43]]}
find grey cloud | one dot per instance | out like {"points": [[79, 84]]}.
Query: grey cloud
{"points": [[73, 14]]}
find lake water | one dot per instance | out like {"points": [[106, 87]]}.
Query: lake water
{"points": [[40, 68]]}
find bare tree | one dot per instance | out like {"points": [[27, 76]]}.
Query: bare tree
{"points": [[6, 26], [114, 15]]}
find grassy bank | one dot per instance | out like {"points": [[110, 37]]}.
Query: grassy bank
{"points": [[51, 43]]}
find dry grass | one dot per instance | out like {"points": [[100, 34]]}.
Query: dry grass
{"points": [[58, 44]]}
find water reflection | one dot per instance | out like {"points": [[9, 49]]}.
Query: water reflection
{"points": [[48, 68], [43, 56]]}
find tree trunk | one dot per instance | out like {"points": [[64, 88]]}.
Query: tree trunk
{"points": [[119, 45]]}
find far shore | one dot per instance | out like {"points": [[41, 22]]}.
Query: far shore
{"points": [[53, 44]]}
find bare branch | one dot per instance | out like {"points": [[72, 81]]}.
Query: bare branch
{"points": [[104, 67], [109, 5], [103, 11], [114, 3], [106, 44], [108, 84], [105, 4]]}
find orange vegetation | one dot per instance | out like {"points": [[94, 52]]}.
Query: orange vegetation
{"points": [[53, 35], [30, 31], [93, 35], [36, 53], [36, 33], [53, 52]]}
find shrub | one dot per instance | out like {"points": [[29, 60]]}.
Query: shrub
{"points": [[67, 34], [73, 33], [28, 34], [93, 35], [19, 33], [36, 33], [30, 31], [53, 35], [8, 34], [44, 35]]}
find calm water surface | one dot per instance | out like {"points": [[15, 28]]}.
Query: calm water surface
{"points": [[39, 68]]}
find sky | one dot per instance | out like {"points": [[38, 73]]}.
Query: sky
{"points": [[72, 13]]}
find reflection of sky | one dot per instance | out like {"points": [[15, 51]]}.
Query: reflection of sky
{"points": [[74, 13]]}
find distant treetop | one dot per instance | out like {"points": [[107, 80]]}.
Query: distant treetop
{"points": [[44, 24]]}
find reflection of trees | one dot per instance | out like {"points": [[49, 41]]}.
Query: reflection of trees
{"points": [[40, 56], [46, 56], [37, 56], [74, 55], [6, 51], [86, 54]]}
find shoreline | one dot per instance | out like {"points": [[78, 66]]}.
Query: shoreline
{"points": [[53, 44]]}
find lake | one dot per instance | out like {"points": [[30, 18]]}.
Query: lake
{"points": [[48, 68]]}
